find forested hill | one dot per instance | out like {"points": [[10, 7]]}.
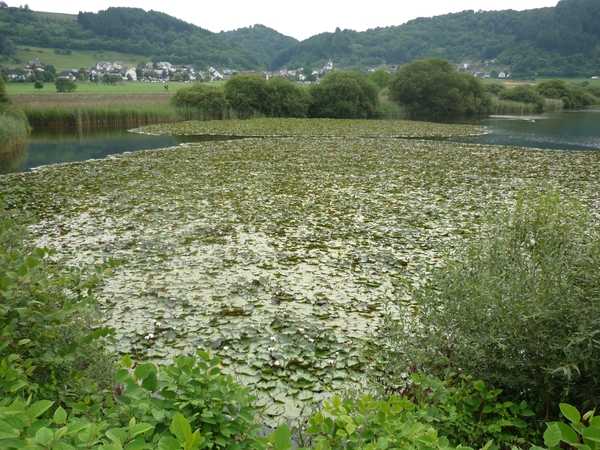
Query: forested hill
{"points": [[153, 35], [559, 41], [262, 41], [563, 40]]}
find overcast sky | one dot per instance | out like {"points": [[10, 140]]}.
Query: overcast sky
{"points": [[299, 19]]}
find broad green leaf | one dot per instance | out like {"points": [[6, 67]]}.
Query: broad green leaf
{"points": [[126, 361], [23, 270], [591, 433], [31, 262], [44, 437], [60, 416], [140, 428], [282, 438], [382, 443], [570, 412], [168, 443], [552, 435], [39, 408], [181, 428], [8, 432], [117, 434], [122, 375], [150, 382], [144, 370], [567, 433], [136, 444], [194, 441]]}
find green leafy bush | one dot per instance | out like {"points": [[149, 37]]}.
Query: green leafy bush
{"points": [[344, 95], [45, 325], [519, 308], [65, 85], [495, 88], [285, 99], [246, 94], [575, 434], [523, 94], [572, 96], [431, 86], [210, 99]]}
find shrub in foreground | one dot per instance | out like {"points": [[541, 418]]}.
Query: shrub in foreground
{"points": [[519, 308]]}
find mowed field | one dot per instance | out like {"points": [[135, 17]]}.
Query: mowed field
{"points": [[86, 87]]}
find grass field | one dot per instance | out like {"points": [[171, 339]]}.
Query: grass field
{"points": [[511, 83], [77, 58], [86, 87]]}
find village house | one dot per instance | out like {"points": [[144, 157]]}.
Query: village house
{"points": [[103, 65]]}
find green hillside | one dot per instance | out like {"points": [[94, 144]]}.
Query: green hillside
{"points": [[74, 60], [264, 42], [559, 41], [153, 36]]}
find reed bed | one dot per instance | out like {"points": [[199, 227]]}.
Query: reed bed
{"points": [[512, 107], [13, 133], [553, 104], [95, 110]]}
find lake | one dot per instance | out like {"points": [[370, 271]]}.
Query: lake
{"points": [[563, 130]]}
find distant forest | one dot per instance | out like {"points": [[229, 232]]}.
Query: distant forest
{"points": [[559, 41]]}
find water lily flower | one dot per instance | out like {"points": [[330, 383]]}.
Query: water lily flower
{"points": [[273, 338]]}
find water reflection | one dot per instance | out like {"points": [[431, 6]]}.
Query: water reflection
{"points": [[59, 145], [12, 160], [564, 130]]}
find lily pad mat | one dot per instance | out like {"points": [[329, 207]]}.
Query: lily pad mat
{"points": [[313, 127], [280, 254]]}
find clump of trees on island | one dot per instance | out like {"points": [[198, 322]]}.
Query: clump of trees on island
{"points": [[428, 87], [348, 95]]}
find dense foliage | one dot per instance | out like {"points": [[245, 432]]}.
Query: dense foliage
{"points": [[14, 126], [519, 308], [339, 95], [285, 99], [548, 41], [150, 34], [204, 96], [344, 95], [432, 86], [559, 41], [264, 42], [65, 85], [523, 94], [572, 96]]}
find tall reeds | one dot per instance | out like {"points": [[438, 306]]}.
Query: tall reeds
{"points": [[102, 110], [512, 107]]}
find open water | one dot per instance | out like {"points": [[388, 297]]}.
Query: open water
{"points": [[564, 130]]}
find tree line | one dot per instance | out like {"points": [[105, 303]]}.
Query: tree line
{"points": [[559, 41], [428, 87]]}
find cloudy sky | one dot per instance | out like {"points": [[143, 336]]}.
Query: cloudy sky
{"points": [[299, 19]]}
